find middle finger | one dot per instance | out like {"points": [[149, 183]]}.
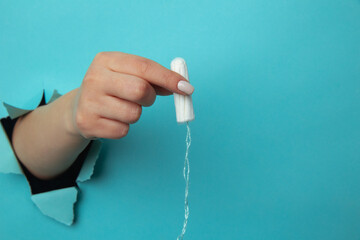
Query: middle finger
{"points": [[131, 88]]}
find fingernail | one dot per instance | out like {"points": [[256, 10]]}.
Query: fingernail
{"points": [[185, 87]]}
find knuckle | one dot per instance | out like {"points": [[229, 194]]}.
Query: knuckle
{"points": [[122, 130], [81, 123], [135, 113], [140, 91], [91, 77], [144, 66], [152, 100], [101, 56]]}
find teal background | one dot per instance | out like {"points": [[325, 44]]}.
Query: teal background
{"points": [[276, 140]]}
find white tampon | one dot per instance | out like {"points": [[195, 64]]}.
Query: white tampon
{"points": [[183, 104]]}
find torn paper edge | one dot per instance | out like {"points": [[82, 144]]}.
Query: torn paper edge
{"points": [[8, 161], [87, 169], [64, 199], [9, 164]]}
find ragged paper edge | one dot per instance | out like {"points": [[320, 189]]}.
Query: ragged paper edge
{"points": [[64, 200], [8, 161], [87, 169], [46, 202]]}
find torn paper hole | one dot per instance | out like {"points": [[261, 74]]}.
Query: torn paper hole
{"points": [[57, 204]]}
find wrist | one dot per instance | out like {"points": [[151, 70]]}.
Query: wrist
{"points": [[69, 114]]}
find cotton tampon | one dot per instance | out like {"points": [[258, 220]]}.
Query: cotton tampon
{"points": [[183, 104]]}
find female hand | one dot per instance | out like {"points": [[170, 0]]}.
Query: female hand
{"points": [[115, 88]]}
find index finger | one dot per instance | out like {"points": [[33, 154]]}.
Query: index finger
{"points": [[147, 69]]}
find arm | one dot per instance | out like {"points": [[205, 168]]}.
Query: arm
{"points": [[44, 140], [116, 86]]}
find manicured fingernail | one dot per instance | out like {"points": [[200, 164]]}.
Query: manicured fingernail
{"points": [[185, 87]]}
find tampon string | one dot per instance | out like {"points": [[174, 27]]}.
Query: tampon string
{"points": [[186, 173]]}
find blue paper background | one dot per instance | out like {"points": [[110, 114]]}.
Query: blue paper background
{"points": [[276, 140]]}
